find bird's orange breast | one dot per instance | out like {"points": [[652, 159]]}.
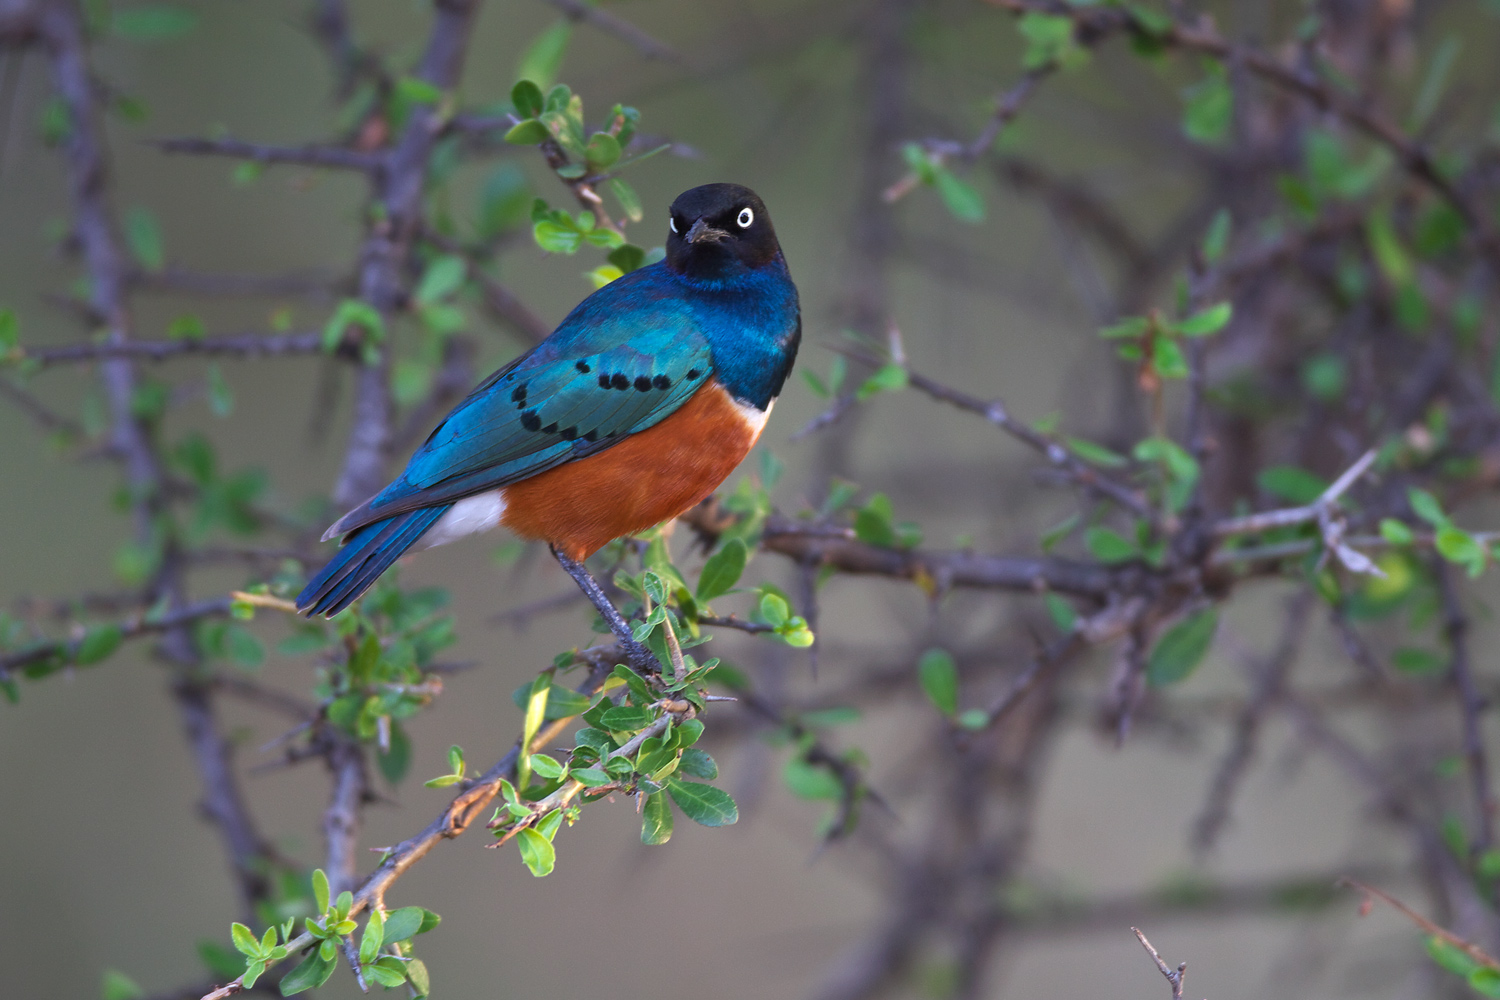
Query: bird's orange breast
{"points": [[647, 478]]}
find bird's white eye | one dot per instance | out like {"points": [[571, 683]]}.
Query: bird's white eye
{"points": [[672, 221], [745, 218]]}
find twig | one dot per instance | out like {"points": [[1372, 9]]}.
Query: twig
{"points": [[803, 541], [996, 413], [612, 24], [249, 345], [334, 157], [1471, 705], [1174, 976], [1475, 952], [1286, 517]]}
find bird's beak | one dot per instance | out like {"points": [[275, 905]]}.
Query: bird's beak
{"points": [[702, 232]]}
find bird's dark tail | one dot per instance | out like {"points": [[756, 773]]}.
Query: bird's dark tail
{"points": [[367, 553]]}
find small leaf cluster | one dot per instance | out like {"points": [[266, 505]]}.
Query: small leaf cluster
{"points": [[625, 708], [1156, 342], [960, 197], [384, 950], [375, 656]]}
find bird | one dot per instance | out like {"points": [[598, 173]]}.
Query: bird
{"points": [[642, 401]]}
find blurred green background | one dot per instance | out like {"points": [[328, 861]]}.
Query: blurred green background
{"points": [[106, 862]]}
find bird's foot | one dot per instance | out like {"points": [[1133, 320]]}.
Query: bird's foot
{"points": [[641, 658]]}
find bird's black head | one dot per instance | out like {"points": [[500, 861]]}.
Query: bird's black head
{"points": [[718, 229]]}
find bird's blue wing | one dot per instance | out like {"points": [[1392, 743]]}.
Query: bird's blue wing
{"points": [[617, 365]]}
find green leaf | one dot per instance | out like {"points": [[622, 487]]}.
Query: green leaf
{"points": [[626, 718], [1168, 359], [1130, 326], [630, 203], [1208, 321], [403, 923], [1417, 662], [526, 98], [697, 763], [243, 648], [627, 257], [656, 820], [312, 973], [889, 378], [774, 610], [705, 805], [939, 679], [252, 973], [1061, 612], [547, 767], [543, 57], [506, 200], [1181, 648], [391, 975], [320, 890], [1450, 957], [1216, 239], [872, 523], [555, 238], [152, 22], [1458, 546], [1426, 506], [352, 312], [722, 571], [220, 396], [1395, 532], [1209, 106], [444, 276], [1095, 454], [244, 939], [1108, 546], [959, 197], [808, 781], [416, 974], [1049, 38], [1325, 376], [1386, 246], [1291, 483], [1431, 91], [143, 234], [10, 332], [590, 777], [98, 643], [537, 851], [527, 133], [602, 151], [1486, 980], [372, 938], [118, 986], [536, 714]]}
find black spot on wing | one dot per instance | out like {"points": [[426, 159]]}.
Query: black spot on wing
{"points": [[550, 428], [662, 382], [604, 381], [582, 366], [643, 383], [693, 374], [518, 394], [591, 435], [620, 380], [531, 421], [568, 433]]}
